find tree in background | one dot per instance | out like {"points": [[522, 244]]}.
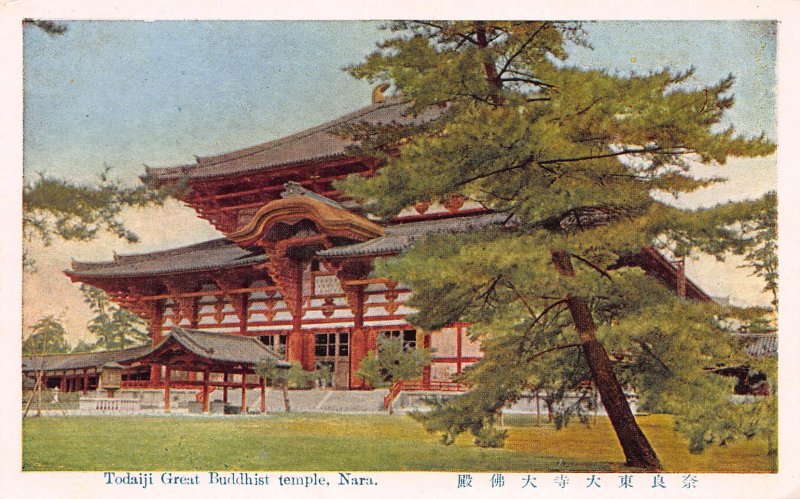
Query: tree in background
{"points": [[115, 327], [571, 157], [393, 362], [275, 376], [83, 347], [48, 336]]}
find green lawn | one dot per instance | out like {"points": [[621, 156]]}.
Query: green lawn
{"points": [[326, 442]]}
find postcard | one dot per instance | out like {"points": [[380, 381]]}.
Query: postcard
{"points": [[381, 256]]}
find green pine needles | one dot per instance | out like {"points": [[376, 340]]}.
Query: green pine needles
{"points": [[575, 158]]}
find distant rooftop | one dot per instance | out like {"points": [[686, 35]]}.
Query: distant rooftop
{"points": [[214, 346]]}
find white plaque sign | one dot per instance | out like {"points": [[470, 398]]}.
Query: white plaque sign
{"points": [[327, 285]]}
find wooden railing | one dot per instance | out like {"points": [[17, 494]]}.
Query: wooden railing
{"points": [[175, 385], [199, 396], [421, 386]]}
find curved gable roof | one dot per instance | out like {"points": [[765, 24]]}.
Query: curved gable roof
{"points": [[314, 144]]}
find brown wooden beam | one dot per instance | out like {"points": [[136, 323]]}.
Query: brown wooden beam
{"points": [[168, 376], [211, 292], [263, 395], [244, 394], [205, 391]]}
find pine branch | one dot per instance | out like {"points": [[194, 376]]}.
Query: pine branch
{"points": [[522, 79], [520, 50], [595, 267], [443, 29], [552, 349]]}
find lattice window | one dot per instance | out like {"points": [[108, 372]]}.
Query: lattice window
{"points": [[409, 337], [277, 342], [328, 344]]}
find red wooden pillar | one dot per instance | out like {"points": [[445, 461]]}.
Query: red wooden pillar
{"points": [[358, 337], [85, 381], [426, 372], [294, 346], [263, 395], [358, 350], [244, 393], [155, 336], [372, 340], [205, 391], [63, 382], [287, 273], [168, 376], [155, 374], [459, 334], [309, 356], [225, 389]]}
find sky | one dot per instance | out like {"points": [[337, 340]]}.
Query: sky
{"points": [[127, 94]]}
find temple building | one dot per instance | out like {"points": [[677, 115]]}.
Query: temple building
{"points": [[294, 268]]}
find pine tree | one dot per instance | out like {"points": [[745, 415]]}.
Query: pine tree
{"points": [[48, 336], [115, 327], [572, 157], [393, 362], [54, 207], [83, 347], [275, 376]]}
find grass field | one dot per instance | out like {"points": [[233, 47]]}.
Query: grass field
{"points": [[326, 442]]}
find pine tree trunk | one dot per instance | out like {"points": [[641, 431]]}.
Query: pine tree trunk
{"points": [[285, 390], [637, 449]]}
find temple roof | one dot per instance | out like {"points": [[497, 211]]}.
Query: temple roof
{"points": [[399, 237], [213, 346], [313, 144], [222, 253], [215, 254], [82, 360], [220, 347], [328, 216]]}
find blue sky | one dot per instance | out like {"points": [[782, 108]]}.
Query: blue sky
{"points": [[124, 94]]}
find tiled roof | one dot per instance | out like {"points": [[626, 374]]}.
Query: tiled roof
{"points": [[313, 144], [223, 253], [221, 347], [214, 346], [399, 237], [215, 254], [82, 360]]}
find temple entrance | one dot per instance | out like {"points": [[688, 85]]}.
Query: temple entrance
{"points": [[332, 350]]}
